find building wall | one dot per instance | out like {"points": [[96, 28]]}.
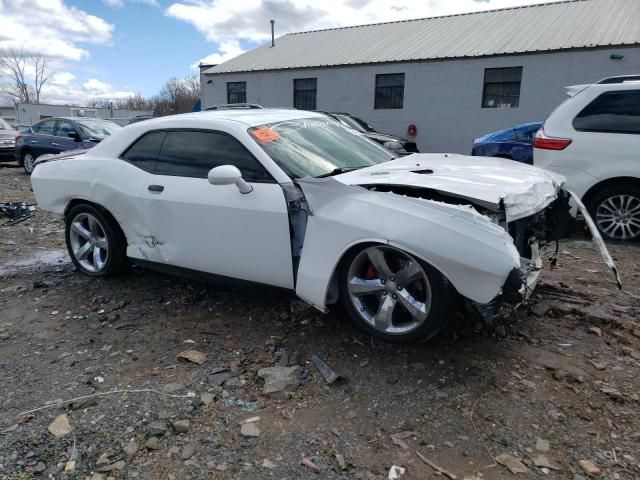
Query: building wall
{"points": [[442, 98], [28, 114]]}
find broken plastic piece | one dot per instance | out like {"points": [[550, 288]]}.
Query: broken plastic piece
{"points": [[265, 135], [329, 375]]}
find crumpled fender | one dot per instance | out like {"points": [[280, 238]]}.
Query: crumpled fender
{"points": [[474, 254]]}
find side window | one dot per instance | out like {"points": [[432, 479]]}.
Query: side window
{"points": [[44, 128], [64, 129], [611, 112], [144, 152], [194, 153], [501, 87], [389, 91]]}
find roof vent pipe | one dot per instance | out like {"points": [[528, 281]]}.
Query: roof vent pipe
{"points": [[273, 38]]}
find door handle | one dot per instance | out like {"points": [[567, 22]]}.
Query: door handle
{"points": [[55, 144], [155, 188], [34, 141]]}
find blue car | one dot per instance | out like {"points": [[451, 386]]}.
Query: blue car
{"points": [[513, 143], [59, 134]]}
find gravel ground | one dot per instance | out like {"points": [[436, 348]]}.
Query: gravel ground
{"points": [[558, 386]]}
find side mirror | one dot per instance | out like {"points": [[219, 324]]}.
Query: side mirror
{"points": [[228, 175], [74, 135]]}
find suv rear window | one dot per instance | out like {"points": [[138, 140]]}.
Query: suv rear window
{"points": [[611, 112]]}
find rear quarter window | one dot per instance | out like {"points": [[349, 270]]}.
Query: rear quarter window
{"points": [[611, 112], [144, 152]]}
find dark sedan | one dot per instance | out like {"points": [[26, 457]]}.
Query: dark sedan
{"points": [[397, 145], [56, 135], [513, 143], [7, 141]]}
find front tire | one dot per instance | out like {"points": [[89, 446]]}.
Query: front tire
{"points": [[28, 162], [393, 296], [95, 242], [616, 212]]}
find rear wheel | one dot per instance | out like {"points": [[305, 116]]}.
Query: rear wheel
{"points": [[28, 162], [616, 212], [95, 243], [393, 296]]}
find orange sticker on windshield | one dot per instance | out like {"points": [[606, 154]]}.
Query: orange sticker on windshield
{"points": [[265, 134]]}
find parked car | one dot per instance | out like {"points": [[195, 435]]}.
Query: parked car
{"points": [[593, 138], [139, 118], [55, 135], [513, 143], [399, 146], [7, 141], [293, 199]]}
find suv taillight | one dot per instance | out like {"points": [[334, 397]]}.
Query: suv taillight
{"points": [[550, 143]]}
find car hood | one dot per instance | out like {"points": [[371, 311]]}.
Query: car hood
{"points": [[4, 134], [495, 183]]}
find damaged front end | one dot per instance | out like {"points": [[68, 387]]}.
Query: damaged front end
{"points": [[530, 235]]}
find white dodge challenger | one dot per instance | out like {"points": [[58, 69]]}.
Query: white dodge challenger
{"points": [[295, 199]]}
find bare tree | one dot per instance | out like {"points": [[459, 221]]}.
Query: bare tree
{"points": [[42, 74], [16, 82]]}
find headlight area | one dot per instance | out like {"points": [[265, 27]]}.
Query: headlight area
{"points": [[543, 229]]}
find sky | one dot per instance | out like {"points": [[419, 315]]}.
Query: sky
{"points": [[116, 48]]}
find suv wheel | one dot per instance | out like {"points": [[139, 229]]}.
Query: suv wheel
{"points": [[393, 296], [616, 212], [96, 245]]}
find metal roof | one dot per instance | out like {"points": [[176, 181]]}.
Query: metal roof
{"points": [[535, 28]]}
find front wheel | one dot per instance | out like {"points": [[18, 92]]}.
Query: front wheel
{"points": [[28, 162], [393, 296], [96, 245], [616, 212]]}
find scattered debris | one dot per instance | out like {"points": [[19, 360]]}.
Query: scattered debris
{"points": [[70, 466], [60, 427], [396, 472], [181, 426], [542, 445], [188, 451], [249, 430], [131, 448], [266, 463], [397, 438], [612, 393], [543, 462], [207, 398], [327, 372], [16, 212], [308, 462], [250, 420], [193, 356], [157, 427], [514, 464], [278, 380], [595, 330], [341, 463], [438, 469], [589, 468]]}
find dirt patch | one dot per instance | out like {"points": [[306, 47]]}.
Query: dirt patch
{"points": [[561, 382]]}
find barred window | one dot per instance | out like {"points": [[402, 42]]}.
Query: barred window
{"points": [[389, 90], [501, 87], [236, 92], [304, 93]]}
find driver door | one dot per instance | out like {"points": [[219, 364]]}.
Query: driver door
{"points": [[217, 229]]}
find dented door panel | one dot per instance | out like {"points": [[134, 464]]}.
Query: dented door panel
{"points": [[216, 229]]}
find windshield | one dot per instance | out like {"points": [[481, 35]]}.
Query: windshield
{"points": [[4, 125], [317, 147], [97, 128]]}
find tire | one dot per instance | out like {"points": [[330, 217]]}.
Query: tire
{"points": [[95, 242], [616, 212], [371, 292], [28, 162]]}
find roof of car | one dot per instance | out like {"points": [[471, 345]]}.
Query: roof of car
{"points": [[250, 117]]}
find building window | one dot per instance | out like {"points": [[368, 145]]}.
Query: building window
{"points": [[236, 92], [501, 87], [304, 93], [389, 90]]}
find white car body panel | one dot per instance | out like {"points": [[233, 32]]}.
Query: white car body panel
{"points": [[592, 157], [488, 180], [216, 229], [406, 223]]}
